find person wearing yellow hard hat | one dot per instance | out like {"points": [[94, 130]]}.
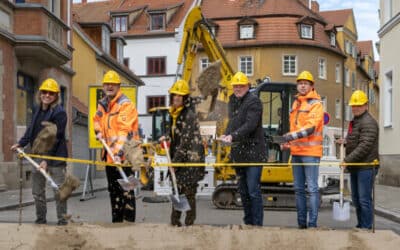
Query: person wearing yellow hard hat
{"points": [[185, 146], [362, 147], [305, 143], [246, 134], [48, 111], [116, 122]]}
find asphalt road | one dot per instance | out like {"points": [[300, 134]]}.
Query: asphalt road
{"points": [[97, 210]]}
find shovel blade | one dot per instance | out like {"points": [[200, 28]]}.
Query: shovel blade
{"points": [[341, 212], [180, 203], [129, 185]]}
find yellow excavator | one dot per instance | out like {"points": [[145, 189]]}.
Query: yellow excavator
{"points": [[276, 98], [214, 86]]}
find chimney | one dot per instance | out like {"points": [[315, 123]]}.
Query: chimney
{"points": [[315, 6]]}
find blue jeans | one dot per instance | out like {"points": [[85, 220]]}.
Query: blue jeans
{"points": [[361, 194], [302, 175], [250, 193]]}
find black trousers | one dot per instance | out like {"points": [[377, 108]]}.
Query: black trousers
{"points": [[189, 190], [123, 203]]}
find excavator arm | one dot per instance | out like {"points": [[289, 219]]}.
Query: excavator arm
{"points": [[198, 32]]}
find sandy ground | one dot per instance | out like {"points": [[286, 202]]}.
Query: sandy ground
{"points": [[161, 236]]}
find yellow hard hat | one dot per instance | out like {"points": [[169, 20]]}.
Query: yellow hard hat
{"points": [[50, 85], [111, 77], [358, 98], [305, 75], [180, 87], [240, 79]]}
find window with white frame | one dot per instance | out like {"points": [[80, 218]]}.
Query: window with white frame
{"points": [[388, 99], [348, 114], [333, 39], [157, 21], [338, 74], [105, 39], [289, 66], [338, 109], [353, 80], [120, 23], [354, 51], [387, 10], [322, 68], [324, 100], [120, 51], [204, 63], [347, 77], [246, 31], [306, 31], [371, 95], [246, 65]]}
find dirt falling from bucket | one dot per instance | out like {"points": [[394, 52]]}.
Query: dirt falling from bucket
{"points": [[70, 184], [209, 79]]}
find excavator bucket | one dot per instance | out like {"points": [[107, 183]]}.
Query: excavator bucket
{"points": [[209, 79]]}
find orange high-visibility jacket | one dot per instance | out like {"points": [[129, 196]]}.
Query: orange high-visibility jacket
{"points": [[306, 125], [116, 119]]}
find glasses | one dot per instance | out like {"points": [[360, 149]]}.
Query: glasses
{"points": [[44, 92]]}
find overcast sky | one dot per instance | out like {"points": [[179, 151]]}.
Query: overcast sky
{"points": [[365, 13]]}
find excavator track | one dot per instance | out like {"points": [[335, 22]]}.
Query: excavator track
{"points": [[226, 196]]}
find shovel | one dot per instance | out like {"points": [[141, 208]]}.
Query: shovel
{"points": [[180, 202], [341, 209], [65, 190], [127, 183]]}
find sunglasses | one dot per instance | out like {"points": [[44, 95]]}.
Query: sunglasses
{"points": [[44, 92]]}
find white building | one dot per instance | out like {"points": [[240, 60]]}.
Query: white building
{"points": [[389, 120]]}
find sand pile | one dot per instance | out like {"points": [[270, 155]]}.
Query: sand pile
{"points": [[157, 236]]}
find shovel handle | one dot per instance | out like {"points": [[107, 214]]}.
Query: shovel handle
{"points": [[41, 170], [171, 170], [341, 180], [108, 149]]}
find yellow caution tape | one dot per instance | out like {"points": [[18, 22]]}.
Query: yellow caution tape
{"points": [[202, 164]]}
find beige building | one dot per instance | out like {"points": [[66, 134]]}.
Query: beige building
{"points": [[389, 120]]}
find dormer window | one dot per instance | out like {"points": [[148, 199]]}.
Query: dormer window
{"points": [[333, 39], [306, 31], [120, 23], [247, 28], [157, 21], [247, 31]]}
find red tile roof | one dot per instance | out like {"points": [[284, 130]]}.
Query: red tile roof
{"points": [[365, 47], [277, 23], [337, 17], [238, 8], [100, 12]]}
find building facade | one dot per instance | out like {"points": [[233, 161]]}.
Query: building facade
{"points": [[389, 120], [35, 43]]}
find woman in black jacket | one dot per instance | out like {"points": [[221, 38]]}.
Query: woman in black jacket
{"points": [[48, 110], [186, 146]]}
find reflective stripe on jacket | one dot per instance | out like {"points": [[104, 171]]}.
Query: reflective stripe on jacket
{"points": [[306, 125], [116, 120]]}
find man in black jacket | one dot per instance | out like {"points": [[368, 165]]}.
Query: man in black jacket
{"points": [[245, 132], [362, 147]]}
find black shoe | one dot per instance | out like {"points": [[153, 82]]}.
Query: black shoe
{"points": [[40, 221], [176, 223], [302, 227], [62, 223]]}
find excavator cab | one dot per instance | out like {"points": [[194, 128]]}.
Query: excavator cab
{"points": [[160, 122], [276, 99]]}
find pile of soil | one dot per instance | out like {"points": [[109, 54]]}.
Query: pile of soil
{"points": [[162, 236]]}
